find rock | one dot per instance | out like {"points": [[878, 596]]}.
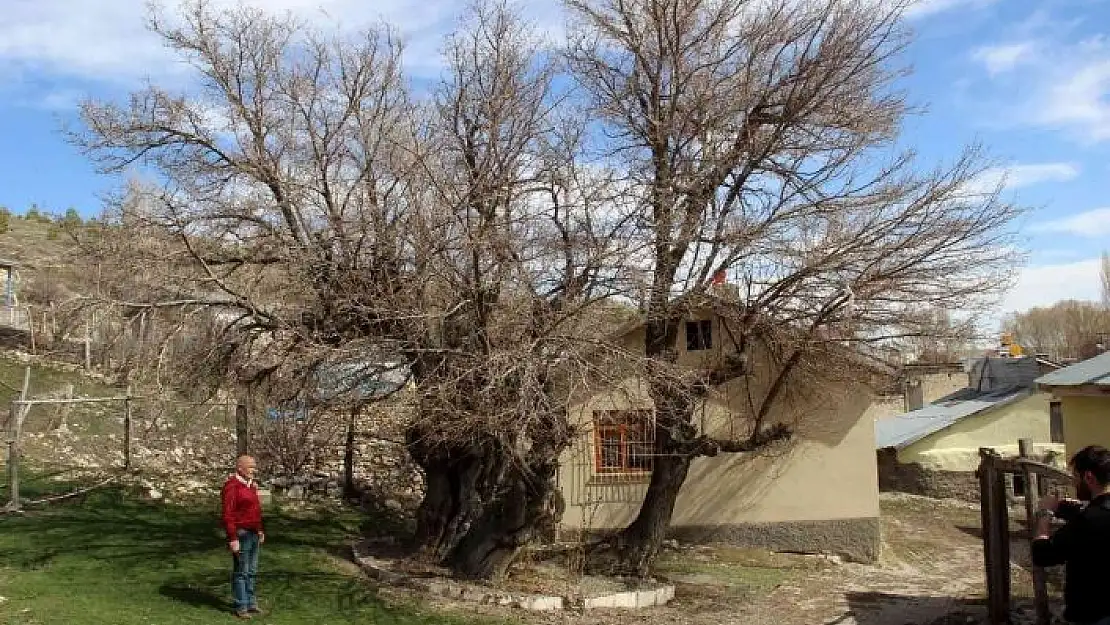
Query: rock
{"points": [[540, 603], [295, 491], [393, 505], [154, 494]]}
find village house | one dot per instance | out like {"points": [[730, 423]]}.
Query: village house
{"points": [[1081, 402], [934, 450], [817, 493]]}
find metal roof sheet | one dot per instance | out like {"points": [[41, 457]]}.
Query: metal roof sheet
{"points": [[1092, 371], [910, 427]]}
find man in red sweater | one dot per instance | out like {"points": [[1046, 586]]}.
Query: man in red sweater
{"points": [[242, 517]]}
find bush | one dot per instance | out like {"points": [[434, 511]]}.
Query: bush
{"points": [[35, 214], [5, 220], [71, 220]]}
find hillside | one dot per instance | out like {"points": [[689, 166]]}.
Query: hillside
{"points": [[45, 257]]}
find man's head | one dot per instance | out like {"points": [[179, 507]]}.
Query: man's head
{"points": [[245, 466], [1091, 466]]}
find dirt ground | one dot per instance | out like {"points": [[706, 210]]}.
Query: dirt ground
{"points": [[930, 573]]}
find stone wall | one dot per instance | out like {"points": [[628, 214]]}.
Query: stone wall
{"points": [[383, 469], [912, 478]]}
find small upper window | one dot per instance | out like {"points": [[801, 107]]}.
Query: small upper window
{"points": [[699, 335]]}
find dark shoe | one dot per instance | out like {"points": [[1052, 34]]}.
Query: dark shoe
{"points": [[243, 614], [255, 610]]}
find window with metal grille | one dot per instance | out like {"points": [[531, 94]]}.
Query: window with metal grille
{"points": [[624, 441], [699, 335]]}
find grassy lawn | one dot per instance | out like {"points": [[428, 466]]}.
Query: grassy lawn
{"points": [[743, 573], [111, 558]]}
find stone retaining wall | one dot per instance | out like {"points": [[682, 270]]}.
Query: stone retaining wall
{"points": [[912, 478]]}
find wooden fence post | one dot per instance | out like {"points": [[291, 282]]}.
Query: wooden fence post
{"points": [[127, 431], [1032, 490], [13, 460], [996, 545], [88, 347], [17, 412]]}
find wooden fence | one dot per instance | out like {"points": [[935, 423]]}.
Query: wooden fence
{"points": [[20, 408], [1038, 479]]}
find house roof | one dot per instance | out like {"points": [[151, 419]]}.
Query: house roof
{"points": [[910, 427], [1094, 371]]}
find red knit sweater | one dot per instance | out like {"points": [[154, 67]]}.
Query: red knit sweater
{"points": [[242, 510]]}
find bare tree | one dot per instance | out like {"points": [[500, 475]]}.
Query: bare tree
{"points": [[1106, 280], [534, 246], [1066, 330], [314, 217], [755, 137]]}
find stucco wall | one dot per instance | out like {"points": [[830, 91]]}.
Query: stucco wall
{"points": [[1086, 422], [823, 484], [938, 385], [886, 407], [956, 448]]}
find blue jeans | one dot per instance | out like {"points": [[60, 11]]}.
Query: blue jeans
{"points": [[244, 567]]}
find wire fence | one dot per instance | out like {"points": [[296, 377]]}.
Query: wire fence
{"points": [[62, 435]]}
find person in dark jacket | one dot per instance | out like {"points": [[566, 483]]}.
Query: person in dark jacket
{"points": [[242, 520], [1082, 545]]}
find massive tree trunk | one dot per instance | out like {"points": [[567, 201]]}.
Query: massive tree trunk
{"points": [[638, 544], [458, 482], [678, 441], [482, 505], [521, 509], [675, 440]]}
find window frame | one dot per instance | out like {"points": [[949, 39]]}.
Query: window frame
{"points": [[701, 331], [624, 424]]}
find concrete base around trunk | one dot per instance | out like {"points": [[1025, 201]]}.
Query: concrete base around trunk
{"points": [[855, 540], [381, 570]]}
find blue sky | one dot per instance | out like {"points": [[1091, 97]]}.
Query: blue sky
{"points": [[1029, 80]]}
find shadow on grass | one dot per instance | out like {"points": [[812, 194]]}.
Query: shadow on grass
{"points": [[139, 557], [194, 596], [284, 589]]}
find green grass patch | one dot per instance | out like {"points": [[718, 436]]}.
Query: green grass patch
{"points": [[744, 573], [111, 558], [46, 379]]}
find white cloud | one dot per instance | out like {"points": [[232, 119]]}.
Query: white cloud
{"points": [[1045, 285], [1002, 58], [922, 8], [1064, 84], [106, 40], [1092, 223], [1018, 176], [1079, 99]]}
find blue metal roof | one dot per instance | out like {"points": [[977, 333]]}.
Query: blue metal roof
{"points": [[1093, 371], [910, 427]]}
